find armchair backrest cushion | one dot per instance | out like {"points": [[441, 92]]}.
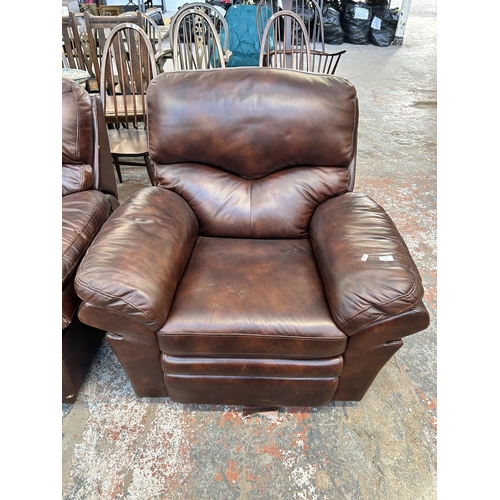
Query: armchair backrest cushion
{"points": [[254, 151], [77, 139]]}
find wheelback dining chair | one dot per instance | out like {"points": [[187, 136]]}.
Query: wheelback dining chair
{"points": [[310, 12], [89, 195], [97, 30], [216, 16], [128, 65], [285, 43], [264, 10], [252, 274], [195, 41], [72, 50]]}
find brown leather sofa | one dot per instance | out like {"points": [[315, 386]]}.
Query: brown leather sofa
{"points": [[89, 195], [252, 274]]}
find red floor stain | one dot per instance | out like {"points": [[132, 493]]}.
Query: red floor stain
{"points": [[301, 439], [271, 449], [251, 477], [302, 414], [429, 403], [232, 472], [434, 423], [230, 417]]}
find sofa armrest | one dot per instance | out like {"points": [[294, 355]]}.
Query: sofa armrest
{"points": [[368, 273], [134, 265]]}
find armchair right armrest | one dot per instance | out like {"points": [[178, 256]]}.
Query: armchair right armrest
{"points": [[372, 286], [368, 273]]}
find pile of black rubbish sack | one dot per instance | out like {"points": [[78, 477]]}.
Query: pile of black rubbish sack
{"points": [[359, 22]]}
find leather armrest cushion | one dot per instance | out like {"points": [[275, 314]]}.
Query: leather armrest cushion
{"points": [[83, 214], [134, 265], [367, 270]]}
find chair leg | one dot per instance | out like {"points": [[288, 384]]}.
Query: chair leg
{"points": [[118, 169], [150, 169]]}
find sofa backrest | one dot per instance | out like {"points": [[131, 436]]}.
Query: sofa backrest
{"points": [[77, 138], [86, 155], [254, 151]]}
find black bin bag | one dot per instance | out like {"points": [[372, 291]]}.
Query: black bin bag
{"points": [[356, 23], [379, 3], [332, 25], [383, 26]]}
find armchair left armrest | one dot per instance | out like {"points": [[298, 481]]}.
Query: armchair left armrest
{"points": [[133, 267]]}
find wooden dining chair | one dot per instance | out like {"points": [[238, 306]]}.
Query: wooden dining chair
{"points": [[218, 19], [285, 42], [72, 49], [156, 36], [97, 29], [265, 9], [311, 12], [128, 65], [195, 41]]}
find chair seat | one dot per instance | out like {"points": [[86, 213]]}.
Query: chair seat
{"points": [[122, 102], [129, 141], [252, 299]]}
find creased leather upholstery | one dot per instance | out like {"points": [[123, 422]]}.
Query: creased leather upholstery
{"points": [[84, 213], [137, 260], [361, 292], [251, 298], [77, 139], [279, 205], [244, 155], [247, 122]]}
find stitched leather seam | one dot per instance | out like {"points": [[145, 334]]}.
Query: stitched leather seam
{"points": [[381, 304], [409, 293], [332, 378], [270, 355], [236, 335], [381, 317], [110, 296]]}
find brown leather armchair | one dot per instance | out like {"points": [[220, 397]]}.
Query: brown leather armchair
{"points": [[89, 195], [252, 274]]}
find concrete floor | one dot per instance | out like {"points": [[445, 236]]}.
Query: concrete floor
{"points": [[117, 446]]}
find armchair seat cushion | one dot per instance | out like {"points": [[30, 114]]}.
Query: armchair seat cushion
{"points": [[83, 215], [251, 298]]}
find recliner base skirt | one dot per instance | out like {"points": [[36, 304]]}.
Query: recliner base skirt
{"points": [[251, 382]]}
